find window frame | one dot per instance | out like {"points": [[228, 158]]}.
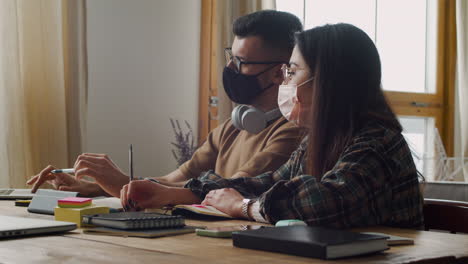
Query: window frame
{"points": [[440, 105]]}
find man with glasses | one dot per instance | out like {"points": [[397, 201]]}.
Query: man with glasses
{"points": [[263, 42]]}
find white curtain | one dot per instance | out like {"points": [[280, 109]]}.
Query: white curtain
{"points": [[42, 86], [462, 79], [227, 12]]}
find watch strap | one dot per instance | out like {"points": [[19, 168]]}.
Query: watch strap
{"points": [[245, 207]]}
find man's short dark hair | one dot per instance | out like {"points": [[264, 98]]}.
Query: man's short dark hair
{"points": [[276, 28]]}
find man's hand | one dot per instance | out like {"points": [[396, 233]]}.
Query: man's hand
{"points": [[64, 182], [138, 195], [100, 167], [227, 200]]}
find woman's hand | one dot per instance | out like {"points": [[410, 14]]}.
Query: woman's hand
{"points": [[100, 167], [226, 200], [138, 195], [64, 182]]}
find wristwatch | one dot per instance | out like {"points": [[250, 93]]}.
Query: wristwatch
{"points": [[245, 207]]}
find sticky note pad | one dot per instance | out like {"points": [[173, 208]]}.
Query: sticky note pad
{"points": [[74, 202], [75, 215], [23, 203]]}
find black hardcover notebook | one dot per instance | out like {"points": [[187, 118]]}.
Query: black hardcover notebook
{"points": [[306, 241], [135, 220]]}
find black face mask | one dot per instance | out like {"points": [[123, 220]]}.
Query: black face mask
{"points": [[242, 88]]}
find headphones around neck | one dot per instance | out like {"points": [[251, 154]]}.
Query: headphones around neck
{"points": [[251, 119]]}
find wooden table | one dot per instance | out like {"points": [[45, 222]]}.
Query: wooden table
{"points": [[76, 247]]}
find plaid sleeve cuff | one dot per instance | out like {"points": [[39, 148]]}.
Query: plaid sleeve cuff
{"points": [[208, 181], [196, 187]]}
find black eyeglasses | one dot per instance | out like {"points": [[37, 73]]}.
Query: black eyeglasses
{"points": [[238, 62]]}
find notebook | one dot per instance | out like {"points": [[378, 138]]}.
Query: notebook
{"points": [[394, 240], [12, 226], [195, 210], [45, 201], [112, 202], [306, 241], [148, 233], [135, 220]]}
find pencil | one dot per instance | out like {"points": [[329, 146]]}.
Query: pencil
{"points": [[131, 161]]}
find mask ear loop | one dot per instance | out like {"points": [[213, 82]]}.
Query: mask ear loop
{"points": [[306, 81], [296, 111], [296, 98]]}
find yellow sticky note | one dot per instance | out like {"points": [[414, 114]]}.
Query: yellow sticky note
{"points": [[75, 215]]}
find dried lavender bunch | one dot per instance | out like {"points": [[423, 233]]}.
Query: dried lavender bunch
{"points": [[184, 142]]}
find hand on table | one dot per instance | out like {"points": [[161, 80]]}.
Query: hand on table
{"points": [[63, 182], [227, 200]]}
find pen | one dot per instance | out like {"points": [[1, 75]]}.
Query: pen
{"points": [[63, 171], [130, 160]]}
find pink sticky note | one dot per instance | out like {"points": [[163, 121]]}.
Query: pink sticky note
{"points": [[76, 200]]}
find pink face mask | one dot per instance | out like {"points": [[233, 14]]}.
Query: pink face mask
{"points": [[288, 101]]}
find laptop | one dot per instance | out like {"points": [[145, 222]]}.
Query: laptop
{"points": [[12, 194], [12, 226]]}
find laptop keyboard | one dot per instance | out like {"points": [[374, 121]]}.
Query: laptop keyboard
{"points": [[6, 191]]}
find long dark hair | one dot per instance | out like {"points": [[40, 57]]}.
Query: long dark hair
{"points": [[347, 90]]}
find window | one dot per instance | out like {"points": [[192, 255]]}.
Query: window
{"points": [[405, 37], [406, 34]]}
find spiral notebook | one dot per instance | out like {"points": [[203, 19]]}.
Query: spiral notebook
{"points": [[135, 220]]}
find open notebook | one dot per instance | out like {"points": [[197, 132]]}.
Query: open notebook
{"points": [[198, 210], [192, 210], [112, 202], [183, 209]]}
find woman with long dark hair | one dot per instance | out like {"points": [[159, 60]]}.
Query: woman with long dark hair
{"points": [[353, 167]]}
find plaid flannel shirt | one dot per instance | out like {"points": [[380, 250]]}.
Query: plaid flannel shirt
{"points": [[374, 182]]}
